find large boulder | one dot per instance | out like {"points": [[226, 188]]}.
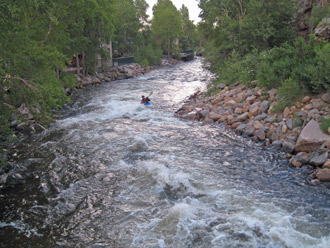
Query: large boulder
{"points": [[311, 138]]}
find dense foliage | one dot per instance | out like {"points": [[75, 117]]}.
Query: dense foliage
{"points": [[37, 39], [247, 40], [166, 25], [40, 37]]}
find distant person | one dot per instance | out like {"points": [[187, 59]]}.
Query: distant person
{"points": [[145, 100]]}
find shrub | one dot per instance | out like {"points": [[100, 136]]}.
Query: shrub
{"points": [[68, 80], [325, 124], [318, 14], [147, 55], [289, 93], [303, 62], [297, 120]]}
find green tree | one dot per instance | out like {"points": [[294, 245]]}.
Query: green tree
{"points": [[189, 36], [142, 7], [244, 25], [127, 23], [37, 38], [166, 24]]}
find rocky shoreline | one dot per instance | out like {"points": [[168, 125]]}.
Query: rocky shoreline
{"points": [[249, 112]]}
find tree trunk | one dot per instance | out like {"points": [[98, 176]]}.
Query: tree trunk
{"points": [[323, 2], [83, 64], [77, 62], [168, 49]]}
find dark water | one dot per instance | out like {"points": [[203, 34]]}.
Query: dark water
{"points": [[113, 173]]}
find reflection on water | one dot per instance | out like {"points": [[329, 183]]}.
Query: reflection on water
{"points": [[114, 173]]}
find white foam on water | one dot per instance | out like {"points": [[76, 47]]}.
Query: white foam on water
{"points": [[21, 227], [165, 176]]}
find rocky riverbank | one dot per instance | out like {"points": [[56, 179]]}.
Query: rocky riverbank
{"points": [[250, 112]]}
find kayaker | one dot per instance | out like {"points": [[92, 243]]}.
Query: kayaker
{"points": [[145, 100]]}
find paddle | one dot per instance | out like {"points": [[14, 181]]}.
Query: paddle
{"points": [[150, 93]]}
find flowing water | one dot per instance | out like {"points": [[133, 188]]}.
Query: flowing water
{"points": [[114, 173]]}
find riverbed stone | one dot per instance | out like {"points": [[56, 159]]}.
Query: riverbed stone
{"points": [[230, 119], [287, 147], [277, 144], [323, 175], [300, 159], [306, 99], [261, 117], [286, 112], [319, 159], [239, 111], [264, 107], [261, 135], [217, 100], [240, 129], [326, 97], [213, 116], [243, 117], [289, 124], [249, 132], [257, 125], [326, 165], [251, 99], [309, 106], [318, 104], [190, 116], [253, 110], [314, 113], [202, 114], [235, 125], [271, 119], [311, 138]]}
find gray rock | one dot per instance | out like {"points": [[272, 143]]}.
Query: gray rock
{"points": [[289, 124], [239, 130], [318, 104], [287, 147], [323, 175], [277, 144], [242, 117], [300, 159], [261, 135], [314, 114], [271, 119], [249, 132], [311, 138], [319, 159], [264, 107], [202, 114], [326, 97], [260, 117], [274, 137]]}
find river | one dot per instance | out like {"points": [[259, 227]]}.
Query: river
{"points": [[114, 173]]}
